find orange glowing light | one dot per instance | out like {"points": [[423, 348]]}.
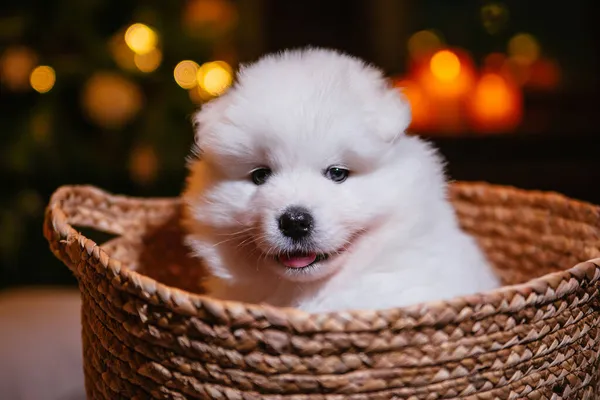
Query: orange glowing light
{"points": [[198, 95], [516, 71], [493, 62], [493, 98], [148, 62], [121, 53], [496, 105], [16, 64], [209, 18], [111, 100], [42, 78], [419, 104], [445, 65], [143, 164], [447, 74], [545, 75]]}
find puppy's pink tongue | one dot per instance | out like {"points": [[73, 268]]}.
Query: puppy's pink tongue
{"points": [[298, 261]]}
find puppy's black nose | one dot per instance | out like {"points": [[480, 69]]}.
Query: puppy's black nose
{"points": [[296, 223]]}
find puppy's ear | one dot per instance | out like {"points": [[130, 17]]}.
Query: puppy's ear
{"points": [[393, 114], [204, 121]]}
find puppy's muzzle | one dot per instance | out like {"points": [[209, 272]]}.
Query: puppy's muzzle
{"points": [[296, 223]]}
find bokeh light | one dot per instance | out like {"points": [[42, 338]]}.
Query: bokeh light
{"points": [[143, 164], [111, 100], [423, 43], [140, 38], [492, 95], [493, 62], [496, 105], [121, 53], [148, 62], [40, 126], [30, 202], [449, 73], [42, 78], [516, 71], [16, 65], [419, 104], [494, 17], [209, 18], [215, 77], [545, 75], [524, 48], [198, 95], [185, 74], [445, 65]]}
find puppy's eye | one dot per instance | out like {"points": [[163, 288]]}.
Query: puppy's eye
{"points": [[337, 174], [260, 175]]}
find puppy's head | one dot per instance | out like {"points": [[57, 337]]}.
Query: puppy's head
{"points": [[302, 156]]}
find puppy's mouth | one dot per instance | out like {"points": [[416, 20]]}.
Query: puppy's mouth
{"points": [[299, 260]]}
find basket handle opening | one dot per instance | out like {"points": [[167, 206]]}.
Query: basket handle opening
{"points": [[96, 213], [100, 237]]}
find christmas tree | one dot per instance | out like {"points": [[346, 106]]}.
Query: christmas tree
{"points": [[99, 93]]}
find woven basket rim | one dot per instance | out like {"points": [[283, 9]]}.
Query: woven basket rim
{"points": [[58, 229]]}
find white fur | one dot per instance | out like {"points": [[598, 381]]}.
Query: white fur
{"points": [[298, 113]]}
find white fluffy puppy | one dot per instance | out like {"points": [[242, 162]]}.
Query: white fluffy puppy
{"points": [[306, 192]]}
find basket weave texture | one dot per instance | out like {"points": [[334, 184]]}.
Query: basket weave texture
{"points": [[147, 333]]}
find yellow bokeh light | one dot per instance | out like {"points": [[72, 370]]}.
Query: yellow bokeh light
{"points": [[140, 38], [199, 95], [148, 62], [445, 65], [524, 48], [42, 78], [185, 74], [121, 53], [423, 42], [215, 77]]}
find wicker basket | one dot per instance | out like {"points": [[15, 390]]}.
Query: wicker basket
{"points": [[145, 335]]}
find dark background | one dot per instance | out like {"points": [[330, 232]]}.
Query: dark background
{"points": [[48, 139]]}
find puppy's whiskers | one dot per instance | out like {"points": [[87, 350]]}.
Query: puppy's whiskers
{"points": [[241, 231], [235, 236]]}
